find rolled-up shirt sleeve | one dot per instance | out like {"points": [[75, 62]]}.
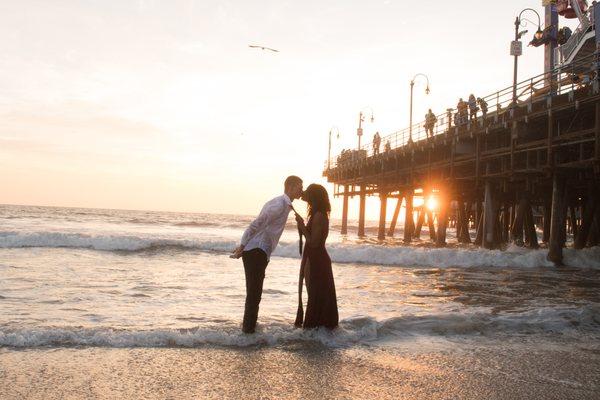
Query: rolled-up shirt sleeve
{"points": [[268, 212]]}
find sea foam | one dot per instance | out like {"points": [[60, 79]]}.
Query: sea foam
{"points": [[352, 331], [344, 252]]}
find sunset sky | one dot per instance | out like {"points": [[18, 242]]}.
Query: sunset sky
{"points": [[161, 105]]}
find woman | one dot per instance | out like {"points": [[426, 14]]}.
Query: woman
{"points": [[315, 269]]}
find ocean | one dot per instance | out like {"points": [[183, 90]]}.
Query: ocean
{"points": [[90, 284]]}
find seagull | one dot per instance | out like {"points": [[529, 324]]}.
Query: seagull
{"points": [[263, 48]]}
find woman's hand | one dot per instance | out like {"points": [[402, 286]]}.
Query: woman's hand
{"points": [[300, 221]]}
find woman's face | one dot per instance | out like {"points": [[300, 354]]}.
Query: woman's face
{"points": [[305, 196]]}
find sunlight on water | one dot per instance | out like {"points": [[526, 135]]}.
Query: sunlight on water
{"points": [[122, 279]]}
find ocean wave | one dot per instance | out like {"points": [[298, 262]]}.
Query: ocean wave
{"points": [[106, 242], [192, 224], [142, 221], [345, 252], [352, 331]]}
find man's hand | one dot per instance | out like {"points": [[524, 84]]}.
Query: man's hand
{"points": [[237, 253]]}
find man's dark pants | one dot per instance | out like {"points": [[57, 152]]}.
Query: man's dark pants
{"points": [[255, 263]]}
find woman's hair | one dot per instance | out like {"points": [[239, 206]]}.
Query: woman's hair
{"points": [[318, 200]]}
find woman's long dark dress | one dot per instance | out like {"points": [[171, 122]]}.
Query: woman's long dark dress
{"points": [[321, 308]]}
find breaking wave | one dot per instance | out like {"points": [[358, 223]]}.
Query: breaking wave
{"points": [[352, 331], [344, 252]]}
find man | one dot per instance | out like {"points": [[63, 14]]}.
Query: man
{"points": [[472, 107], [430, 120], [483, 106], [462, 108], [376, 143], [259, 241]]}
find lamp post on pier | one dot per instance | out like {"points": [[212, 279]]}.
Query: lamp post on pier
{"points": [[361, 119], [516, 48], [329, 151], [412, 84]]}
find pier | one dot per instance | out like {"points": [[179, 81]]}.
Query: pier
{"points": [[526, 165]]}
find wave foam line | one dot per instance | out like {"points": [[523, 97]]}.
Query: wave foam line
{"points": [[340, 252], [106, 242], [231, 337], [352, 331]]}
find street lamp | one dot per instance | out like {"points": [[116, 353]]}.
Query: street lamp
{"points": [[361, 119], [329, 151], [412, 84], [516, 48]]}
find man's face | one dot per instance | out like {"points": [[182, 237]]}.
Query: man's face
{"points": [[296, 191]]}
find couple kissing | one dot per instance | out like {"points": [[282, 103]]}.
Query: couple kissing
{"points": [[261, 238]]}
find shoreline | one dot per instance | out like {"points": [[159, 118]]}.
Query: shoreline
{"points": [[419, 370]]}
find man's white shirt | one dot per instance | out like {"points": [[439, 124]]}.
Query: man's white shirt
{"points": [[264, 232]]}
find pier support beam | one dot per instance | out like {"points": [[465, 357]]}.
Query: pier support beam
{"points": [[431, 224], [382, 215], [551, 20], [478, 224], [589, 210], [531, 239], [344, 230], [459, 220], [573, 221], [557, 224], [462, 222], [594, 236], [479, 231], [547, 219], [361, 213], [420, 221], [489, 218], [505, 215], [549, 153], [444, 204], [516, 230], [597, 131], [409, 223], [395, 217]]}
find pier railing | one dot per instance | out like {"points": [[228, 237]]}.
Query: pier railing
{"points": [[539, 88], [583, 31]]}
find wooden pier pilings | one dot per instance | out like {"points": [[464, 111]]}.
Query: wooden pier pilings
{"points": [[526, 168]]}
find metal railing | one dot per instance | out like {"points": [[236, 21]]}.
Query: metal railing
{"points": [[564, 52], [564, 79]]}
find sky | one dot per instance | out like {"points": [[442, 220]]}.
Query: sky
{"points": [[161, 105]]}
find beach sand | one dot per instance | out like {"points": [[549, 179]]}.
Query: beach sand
{"points": [[406, 371]]}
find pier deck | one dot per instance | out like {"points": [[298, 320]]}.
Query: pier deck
{"points": [[540, 156]]}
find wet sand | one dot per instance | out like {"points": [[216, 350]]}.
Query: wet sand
{"points": [[418, 370]]}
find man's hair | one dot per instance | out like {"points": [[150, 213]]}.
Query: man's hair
{"points": [[292, 180]]}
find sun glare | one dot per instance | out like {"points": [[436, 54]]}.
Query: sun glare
{"points": [[432, 203]]}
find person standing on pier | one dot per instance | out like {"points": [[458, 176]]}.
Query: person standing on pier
{"points": [[472, 108], [376, 143], [449, 118], [483, 106], [430, 120], [462, 108], [259, 241]]}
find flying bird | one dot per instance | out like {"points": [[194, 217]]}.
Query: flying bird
{"points": [[263, 48]]}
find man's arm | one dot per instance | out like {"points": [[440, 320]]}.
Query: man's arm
{"points": [[266, 215]]}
